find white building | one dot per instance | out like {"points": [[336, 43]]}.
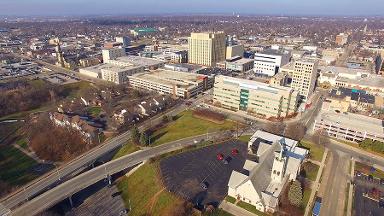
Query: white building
{"points": [[124, 40], [112, 53], [278, 161], [269, 61]]}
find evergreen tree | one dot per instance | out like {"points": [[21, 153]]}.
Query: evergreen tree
{"points": [[135, 134], [295, 194]]}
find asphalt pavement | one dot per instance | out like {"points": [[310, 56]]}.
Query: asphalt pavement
{"points": [[78, 183]]}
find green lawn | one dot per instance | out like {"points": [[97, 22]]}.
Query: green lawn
{"points": [[316, 151], [251, 208], [310, 170], [94, 111], [140, 188], [125, 150], [230, 199], [366, 169], [75, 90], [186, 126], [306, 195], [23, 143], [245, 138], [15, 166]]}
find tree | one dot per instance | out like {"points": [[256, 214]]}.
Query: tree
{"points": [[135, 134], [320, 138], [295, 194], [275, 128], [295, 131], [144, 139]]}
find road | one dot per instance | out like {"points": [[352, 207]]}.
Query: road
{"points": [[76, 184], [51, 179]]}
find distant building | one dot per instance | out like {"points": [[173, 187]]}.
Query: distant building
{"points": [[304, 75], [124, 40], [179, 84], [235, 50], [137, 32], [112, 53], [341, 39], [111, 45], [87, 62], [254, 97], [206, 48], [269, 61], [277, 161], [349, 126]]}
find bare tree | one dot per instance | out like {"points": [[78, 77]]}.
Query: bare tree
{"points": [[295, 131], [275, 127]]}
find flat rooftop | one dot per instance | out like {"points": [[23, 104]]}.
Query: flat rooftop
{"points": [[139, 61], [241, 61], [171, 78], [351, 120], [344, 70], [110, 67]]}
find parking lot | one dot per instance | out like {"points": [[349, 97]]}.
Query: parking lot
{"points": [[364, 206], [184, 173]]}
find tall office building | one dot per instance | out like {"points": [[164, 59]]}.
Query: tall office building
{"points": [[304, 76], [112, 53], [254, 97], [206, 48], [269, 61]]}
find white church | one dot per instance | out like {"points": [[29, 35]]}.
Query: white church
{"points": [[275, 161]]}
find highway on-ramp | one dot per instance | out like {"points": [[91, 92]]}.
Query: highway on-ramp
{"points": [[51, 179], [76, 184]]}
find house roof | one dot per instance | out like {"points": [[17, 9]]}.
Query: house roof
{"points": [[236, 179]]}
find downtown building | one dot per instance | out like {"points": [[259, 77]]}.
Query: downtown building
{"points": [[254, 97], [303, 73], [207, 48], [269, 61]]}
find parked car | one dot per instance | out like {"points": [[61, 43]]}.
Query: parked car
{"points": [[370, 177], [204, 185], [220, 156], [234, 152]]}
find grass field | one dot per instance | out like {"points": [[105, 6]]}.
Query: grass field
{"points": [[366, 169], [144, 193], [311, 170], [245, 138], [218, 212], [250, 208], [186, 126], [23, 143], [230, 199], [125, 150], [306, 195], [316, 151], [15, 166]]}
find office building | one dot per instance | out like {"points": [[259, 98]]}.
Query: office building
{"points": [[349, 126], [124, 40], [206, 48], [179, 84], [235, 50], [239, 64], [112, 53], [341, 39], [261, 182], [269, 61], [256, 98], [304, 75], [351, 78]]}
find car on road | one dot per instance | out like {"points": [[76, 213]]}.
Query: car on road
{"points": [[370, 177], [220, 156], [123, 212], [381, 202], [358, 174]]}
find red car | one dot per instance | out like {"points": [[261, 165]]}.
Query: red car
{"points": [[220, 156], [234, 152]]}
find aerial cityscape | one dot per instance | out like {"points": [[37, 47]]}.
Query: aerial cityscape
{"points": [[210, 108]]}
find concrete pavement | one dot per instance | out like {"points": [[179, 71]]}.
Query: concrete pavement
{"points": [[70, 187]]}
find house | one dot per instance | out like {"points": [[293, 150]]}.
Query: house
{"points": [[276, 160]]}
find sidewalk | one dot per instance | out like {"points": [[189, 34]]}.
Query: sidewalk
{"points": [[234, 209], [316, 184], [30, 154], [350, 192]]}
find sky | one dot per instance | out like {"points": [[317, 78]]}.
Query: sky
{"points": [[127, 7]]}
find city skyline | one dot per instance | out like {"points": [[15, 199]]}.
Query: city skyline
{"points": [[261, 7]]}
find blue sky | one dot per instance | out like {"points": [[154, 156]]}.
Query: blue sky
{"points": [[126, 7]]}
